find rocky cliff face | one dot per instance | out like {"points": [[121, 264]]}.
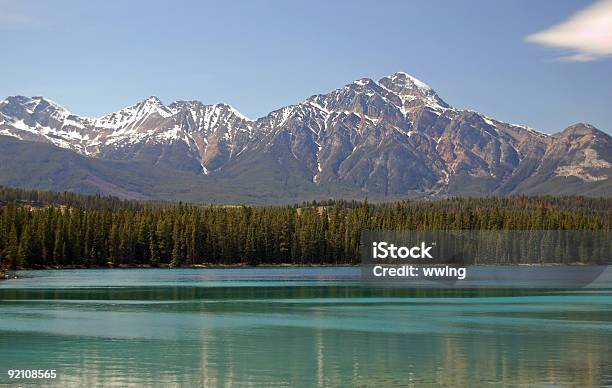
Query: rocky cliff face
{"points": [[386, 139]]}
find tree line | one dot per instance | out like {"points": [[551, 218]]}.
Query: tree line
{"points": [[41, 229]]}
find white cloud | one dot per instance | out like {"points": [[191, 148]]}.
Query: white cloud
{"points": [[587, 35]]}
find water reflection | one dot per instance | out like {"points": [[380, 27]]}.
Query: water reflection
{"points": [[331, 334]]}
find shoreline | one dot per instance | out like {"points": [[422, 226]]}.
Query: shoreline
{"points": [[10, 274], [7, 273], [191, 266]]}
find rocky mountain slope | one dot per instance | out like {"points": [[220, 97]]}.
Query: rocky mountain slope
{"points": [[388, 139]]}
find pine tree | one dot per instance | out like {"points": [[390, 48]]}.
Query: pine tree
{"points": [[12, 249], [249, 245], [113, 245], [27, 250], [153, 250], [58, 248], [177, 254]]}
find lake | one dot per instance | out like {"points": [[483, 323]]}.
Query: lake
{"points": [[298, 327]]}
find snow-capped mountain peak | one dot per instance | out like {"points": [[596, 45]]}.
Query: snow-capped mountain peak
{"points": [[133, 115], [33, 106], [413, 91], [389, 137], [406, 79]]}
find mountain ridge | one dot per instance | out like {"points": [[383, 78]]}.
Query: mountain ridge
{"points": [[391, 138]]}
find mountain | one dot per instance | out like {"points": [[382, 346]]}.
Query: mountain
{"points": [[394, 138]]}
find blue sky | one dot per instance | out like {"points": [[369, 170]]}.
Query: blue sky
{"points": [[95, 57]]}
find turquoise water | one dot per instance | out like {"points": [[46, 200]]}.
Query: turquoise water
{"points": [[297, 327]]}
